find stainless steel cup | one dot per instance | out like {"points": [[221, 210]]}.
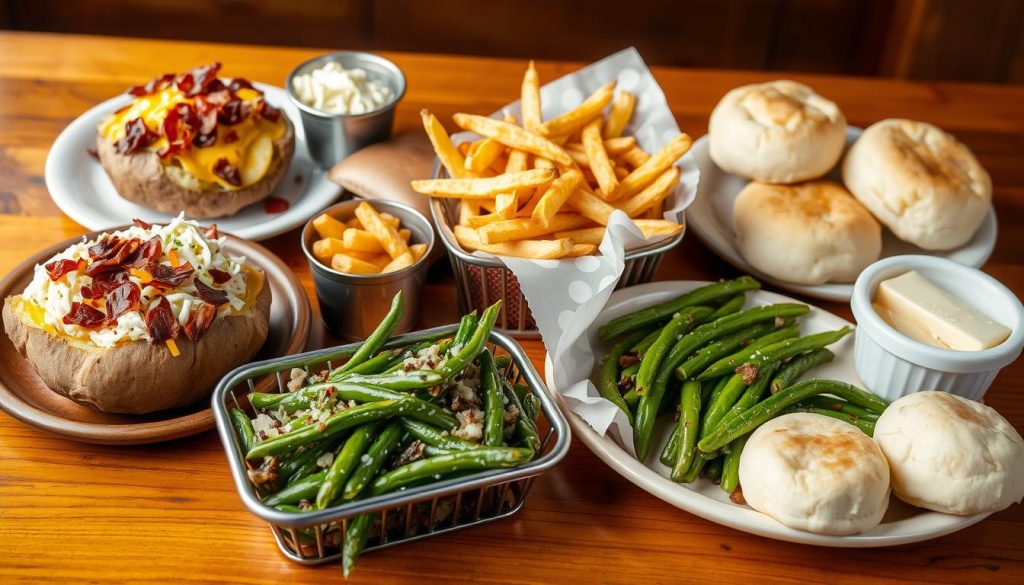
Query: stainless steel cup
{"points": [[332, 137], [351, 305]]}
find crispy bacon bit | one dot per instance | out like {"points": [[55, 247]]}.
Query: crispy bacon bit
{"points": [[166, 277], [122, 299], [238, 83], [145, 255], [179, 128], [219, 276], [228, 172], [748, 372], [204, 140], [268, 111], [103, 283], [136, 137], [230, 137], [104, 248], [628, 359], [274, 205], [211, 232], [218, 98], [231, 112], [112, 258], [142, 224], [85, 316], [214, 296], [200, 81], [58, 268], [160, 322], [200, 319], [154, 85]]}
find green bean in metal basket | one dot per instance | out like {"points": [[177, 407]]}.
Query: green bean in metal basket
{"points": [[304, 489], [467, 325], [493, 400], [307, 398], [399, 380], [372, 461], [472, 348], [726, 346], [681, 323], [798, 366], [243, 428], [355, 541], [608, 384], [444, 465], [376, 339], [652, 315], [344, 464], [435, 437], [525, 426], [778, 351]]}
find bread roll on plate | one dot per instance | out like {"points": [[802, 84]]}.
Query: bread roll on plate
{"points": [[809, 233], [950, 454], [815, 473], [920, 182], [776, 132]]}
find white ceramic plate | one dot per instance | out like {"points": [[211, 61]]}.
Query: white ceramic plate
{"points": [[710, 216], [902, 523], [81, 189]]}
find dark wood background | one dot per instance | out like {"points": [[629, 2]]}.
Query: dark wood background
{"points": [[970, 40]]}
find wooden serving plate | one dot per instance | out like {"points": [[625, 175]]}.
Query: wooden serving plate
{"points": [[24, 396]]}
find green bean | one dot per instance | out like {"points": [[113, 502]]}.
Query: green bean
{"points": [[719, 405], [336, 423], [521, 390], [374, 458], [652, 315], [773, 405], [435, 437], [355, 541], [627, 377], [779, 351], [345, 462], [458, 361], [443, 465], [305, 398], [866, 426], [694, 471], [728, 364], [399, 380], [729, 307], [713, 469], [798, 366], [466, 327], [290, 508], [708, 393], [243, 429], [296, 467], [608, 385], [751, 396], [689, 428], [532, 406], [303, 489], [731, 465], [432, 451], [374, 365], [502, 362], [493, 401], [525, 426], [644, 343], [722, 347], [681, 323], [376, 339], [839, 406]]}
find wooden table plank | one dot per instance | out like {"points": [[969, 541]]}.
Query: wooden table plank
{"points": [[84, 513]]}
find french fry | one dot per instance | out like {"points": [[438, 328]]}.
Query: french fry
{"points": [[498, 166], [418, 250], [620, 113], [467, 210], [621, 172], [555, 196], [391, 220], [615, 147], [657, 210], [351, 265], [485, 153], [657, 164], [523, 228], [482, 188], [513, 136], [506, 204], [381, 260], [328, 227], [581, 250], [399, 263], [652, 194], [542, 163], [451, 157], [530, 99], [635, 157], [579, 157], [325, 249], [388, 236], [481, 220], [405, 234], [464, 148], [649, 227], [581, 114], [537, 249], [590, 206], [527, 210], [361, 240], [599, 163], [354, 223]]}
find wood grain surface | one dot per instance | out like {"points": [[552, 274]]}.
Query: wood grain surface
{"points": [[75, 513]]}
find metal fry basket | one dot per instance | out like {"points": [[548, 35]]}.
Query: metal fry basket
{"points": [[418, 512], [483, 280]]}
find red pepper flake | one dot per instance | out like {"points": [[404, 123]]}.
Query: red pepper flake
{"points": [[275, 205], [166, 277], [136, 137], [85, 316], [58, 268], [161, 322], [103, 283], [219, 276], [142, 224], [211, 232], [227, 172], [200, 319], [214, 296], [122, 299]]}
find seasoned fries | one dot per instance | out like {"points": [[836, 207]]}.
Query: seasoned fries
{"points": [[545, 189], [369, 243]]}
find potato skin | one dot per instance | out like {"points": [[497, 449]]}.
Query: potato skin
{"points": [[137, 377], [140, 178]]}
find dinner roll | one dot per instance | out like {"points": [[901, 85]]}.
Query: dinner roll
{"points": [[807, 233], [950, 454], [776, 132], [920, 182], [815, 473]]}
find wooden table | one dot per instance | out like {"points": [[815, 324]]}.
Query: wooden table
{"points": [[71, 512]]}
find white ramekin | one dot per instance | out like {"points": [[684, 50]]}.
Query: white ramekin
{"points": [[892, 365]]}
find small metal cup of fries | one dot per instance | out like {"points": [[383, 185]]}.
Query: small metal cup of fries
{"points": [[546, 189], [361, 254]]}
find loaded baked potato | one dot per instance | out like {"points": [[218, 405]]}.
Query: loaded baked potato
{"points": [[141, 319], [196, 143]]}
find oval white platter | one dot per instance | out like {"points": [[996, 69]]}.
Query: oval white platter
{"points": [[710, 217], [82, 190], [902, 523]]}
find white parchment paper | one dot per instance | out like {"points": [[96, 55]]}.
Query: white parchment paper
{"points": [[566, 296]]}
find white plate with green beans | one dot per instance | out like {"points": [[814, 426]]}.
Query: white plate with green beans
{"points": [[753, 350]]}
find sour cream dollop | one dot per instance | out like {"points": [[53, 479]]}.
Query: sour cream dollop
{"points": [[336, 90]]}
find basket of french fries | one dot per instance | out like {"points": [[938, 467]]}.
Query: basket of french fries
{"points": [[546, 189]]}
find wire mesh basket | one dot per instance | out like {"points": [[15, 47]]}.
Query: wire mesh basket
{"points": [[418, 512], [483, 280]]}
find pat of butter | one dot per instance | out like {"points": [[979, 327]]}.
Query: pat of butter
{"points": [[916, 307]]}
